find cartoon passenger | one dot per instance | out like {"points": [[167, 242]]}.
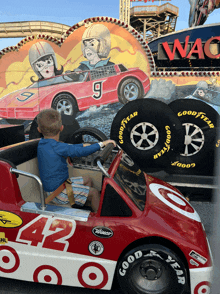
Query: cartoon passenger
{"points": [[43, 61], [96, 45]]}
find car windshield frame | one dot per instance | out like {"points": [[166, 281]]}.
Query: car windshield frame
{"points": [[136, 189], [73, 77]]}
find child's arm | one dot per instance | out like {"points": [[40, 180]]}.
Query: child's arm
{"points": [[104, 143]]}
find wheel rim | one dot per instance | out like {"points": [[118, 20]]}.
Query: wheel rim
{"points": [[65, 106], [135, 187], [151, 276], [194, 139], [144, 136], [131, 91]]}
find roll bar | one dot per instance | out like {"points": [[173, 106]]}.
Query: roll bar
{"points": [[102, 157], [23, 173]]}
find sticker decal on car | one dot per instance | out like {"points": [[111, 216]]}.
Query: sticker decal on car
{"points": [[96, 248], [9, 220], [93, 275], [3, 240], [102, 232], [47, 232], [174, 200], [198, 257]]}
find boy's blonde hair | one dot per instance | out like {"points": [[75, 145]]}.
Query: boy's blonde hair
{"points": [[49, 121]]}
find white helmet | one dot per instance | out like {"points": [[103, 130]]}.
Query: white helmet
{"points": [[39, 50], [100, 33]]}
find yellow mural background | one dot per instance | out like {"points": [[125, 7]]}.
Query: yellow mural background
{"points": [[16, 71]]}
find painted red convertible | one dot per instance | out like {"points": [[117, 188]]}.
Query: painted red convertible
{"points": [[76, 91], [145, 233]]}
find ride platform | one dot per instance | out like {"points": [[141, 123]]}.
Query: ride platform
{"points": [[153, 21]]}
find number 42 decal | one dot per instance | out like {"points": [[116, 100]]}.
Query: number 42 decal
{"points": [[47, 232]]}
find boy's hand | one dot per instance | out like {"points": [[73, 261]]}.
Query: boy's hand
{"points": [[108, 142]]}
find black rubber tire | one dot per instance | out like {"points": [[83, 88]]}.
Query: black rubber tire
{"points": [[12, 121], [79, 135], [34, 134], [199, 146], [130, 89], [149, 269], [145, 116], [64, 102], [70, 126]]}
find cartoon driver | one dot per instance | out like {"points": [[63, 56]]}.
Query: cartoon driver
{"points": [[43, 61], [96, 45]]}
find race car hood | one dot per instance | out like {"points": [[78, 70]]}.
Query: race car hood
{"points": [[167, 209], [170, 199], [22, 97]]}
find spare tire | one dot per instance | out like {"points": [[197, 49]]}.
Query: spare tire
{"points": [[200, 125], [148, 131], [80, 135]]}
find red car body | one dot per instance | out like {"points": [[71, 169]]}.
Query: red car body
{"points": [[94, 87], [84, 249]]}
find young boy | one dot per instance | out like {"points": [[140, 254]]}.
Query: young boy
{"points": [[52, 163]]}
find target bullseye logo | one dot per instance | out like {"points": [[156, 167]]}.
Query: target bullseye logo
{"points": [[92, 275], [202, 288], [174, 200], [47, 274], [9, 259]]}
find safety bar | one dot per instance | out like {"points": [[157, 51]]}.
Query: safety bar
{"points": [[102, 157], [23, 173], [101, 167]]}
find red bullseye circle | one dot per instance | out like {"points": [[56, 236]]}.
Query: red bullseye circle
{"points": [[92, 276], [174, 200], [47, 278], [7, 259], [202, 288]]}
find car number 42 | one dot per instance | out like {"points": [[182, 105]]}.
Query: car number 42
{"points": [[47, 232]]}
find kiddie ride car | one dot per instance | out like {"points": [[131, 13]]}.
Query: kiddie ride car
{"points": [[145, 234]]}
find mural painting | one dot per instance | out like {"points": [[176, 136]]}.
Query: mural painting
{"points": [[171, 85]]}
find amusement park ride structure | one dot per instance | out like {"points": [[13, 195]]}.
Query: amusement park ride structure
{"points": [[151, 21]]}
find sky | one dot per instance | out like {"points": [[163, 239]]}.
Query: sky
{"points": [[70, 12]]}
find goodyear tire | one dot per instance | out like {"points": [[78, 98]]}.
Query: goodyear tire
{"points": [[130, 89], [152, 269], [148, 131], [200, 125], [65, 103]]}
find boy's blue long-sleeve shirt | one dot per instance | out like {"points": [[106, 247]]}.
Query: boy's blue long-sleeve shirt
{"points": [[52, 160]]}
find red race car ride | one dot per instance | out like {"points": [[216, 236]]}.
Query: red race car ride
{"points": [[145, 233], [76, 91]]}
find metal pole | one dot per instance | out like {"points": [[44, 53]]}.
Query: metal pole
{"points": [[23, 173], [215, 237]]}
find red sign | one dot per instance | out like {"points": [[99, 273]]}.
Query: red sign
{"points": [[188, 49]]}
